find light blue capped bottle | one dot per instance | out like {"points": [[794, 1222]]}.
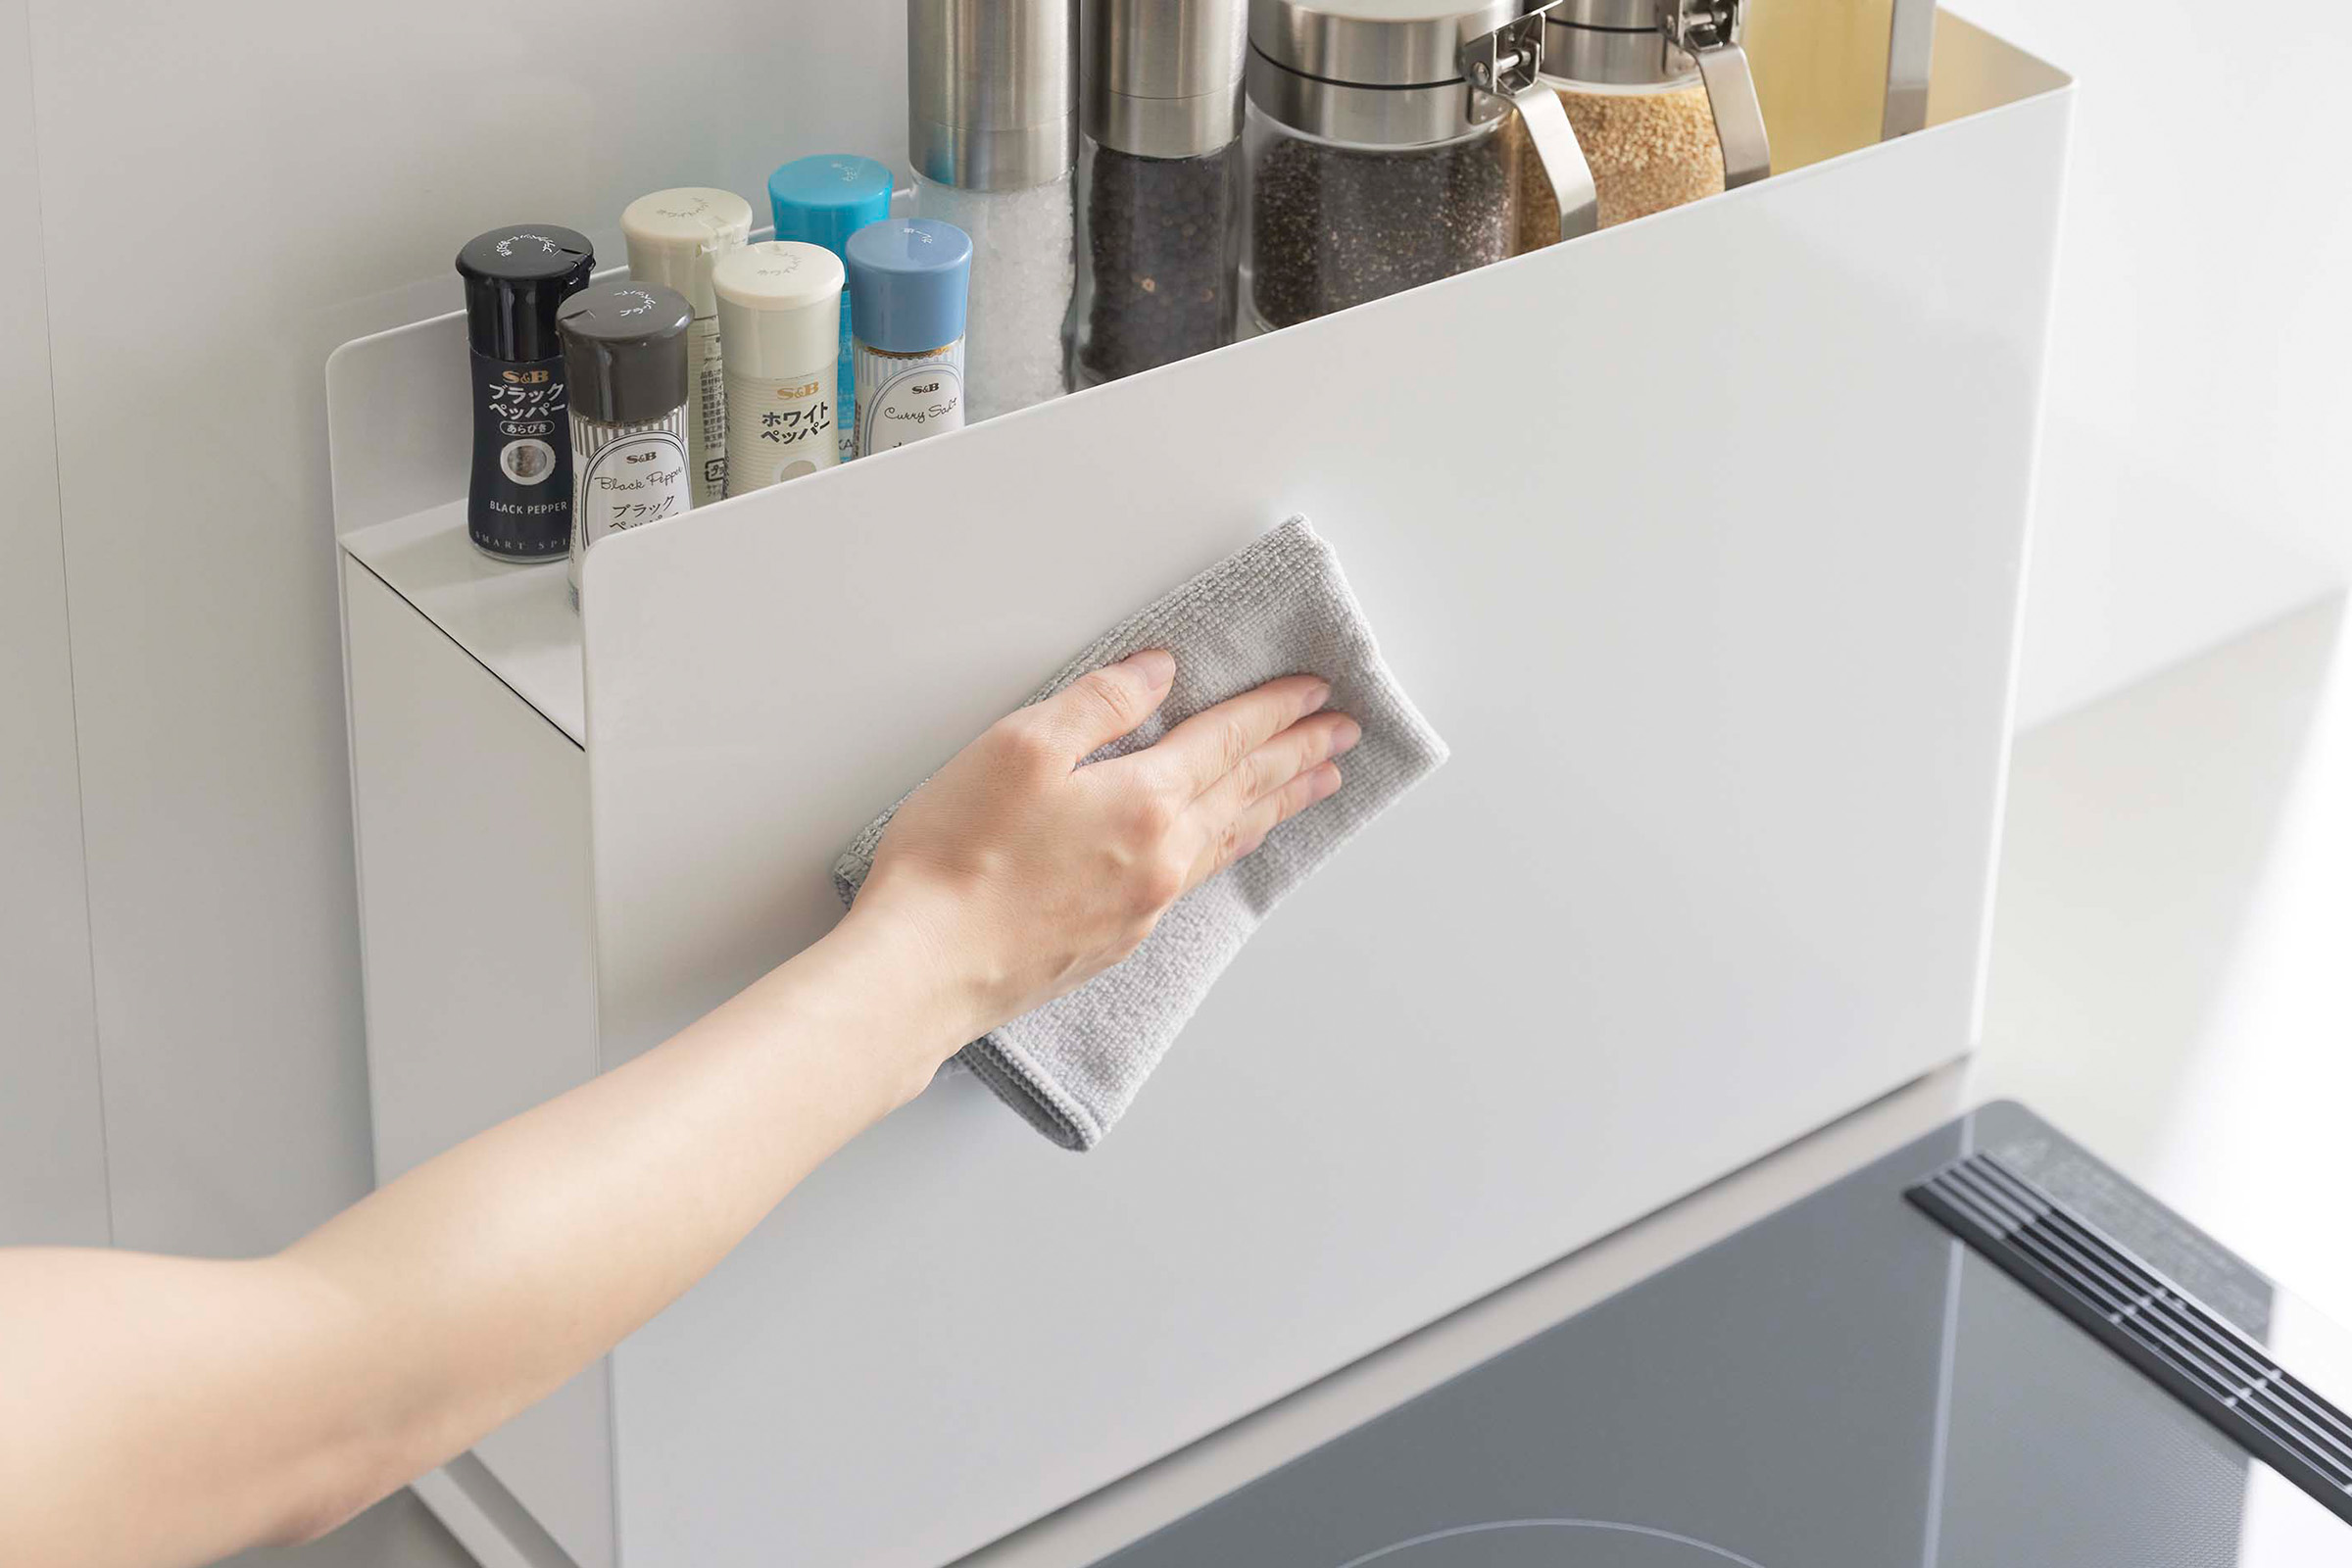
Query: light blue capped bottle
{"points": [[823, 200], [910, 278]]}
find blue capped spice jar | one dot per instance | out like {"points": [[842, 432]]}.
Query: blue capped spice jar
{"points": [[519, 496], [908, 281], [822, 200]]}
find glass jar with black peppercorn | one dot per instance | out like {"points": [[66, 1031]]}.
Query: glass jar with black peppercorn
{"points": [[1383, 140], [1159, 179]]}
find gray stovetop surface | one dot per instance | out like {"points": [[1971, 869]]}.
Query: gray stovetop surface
{"points": [[1837, 1386]]}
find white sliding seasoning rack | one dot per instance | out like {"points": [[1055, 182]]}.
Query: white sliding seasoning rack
{"points": [[1699, 539]]}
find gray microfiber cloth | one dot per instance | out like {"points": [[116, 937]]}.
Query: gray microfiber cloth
{"points": [[1278, 608]]}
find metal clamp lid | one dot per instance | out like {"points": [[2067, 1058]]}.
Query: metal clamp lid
{"points": [[1632, 43], [1708, 30], [1373, 43], [1374, 72], [1505, 69]]}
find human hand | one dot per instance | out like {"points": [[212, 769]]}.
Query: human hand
{"points": [[1021, 874]]}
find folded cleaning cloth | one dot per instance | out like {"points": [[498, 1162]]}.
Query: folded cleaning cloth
{"points": [[1277, 608]]}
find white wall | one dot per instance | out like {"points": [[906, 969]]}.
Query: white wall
{"points": [[52, 1137], [2194, 459], [230, 191], [227, 191]]}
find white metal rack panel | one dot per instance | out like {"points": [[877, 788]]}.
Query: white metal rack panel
{"points": [[1699, 540]]}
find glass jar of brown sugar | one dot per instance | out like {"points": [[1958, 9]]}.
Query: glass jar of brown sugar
{"points": [[1660, 96]]}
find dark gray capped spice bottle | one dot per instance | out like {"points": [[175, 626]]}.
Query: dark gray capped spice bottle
{"points": [[624, 355], [519, 499]]}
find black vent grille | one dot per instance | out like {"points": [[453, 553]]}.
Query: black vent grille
{"points": [[2200, 1357]]}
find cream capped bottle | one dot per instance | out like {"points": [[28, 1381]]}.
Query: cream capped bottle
{"points": [[779, 326], [676, 237]]}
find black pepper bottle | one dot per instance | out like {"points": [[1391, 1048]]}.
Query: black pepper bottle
{"points": [[1160, 176], [518, 498]]}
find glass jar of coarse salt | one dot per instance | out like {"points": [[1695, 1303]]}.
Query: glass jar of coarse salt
{"points": [[992, 129]]}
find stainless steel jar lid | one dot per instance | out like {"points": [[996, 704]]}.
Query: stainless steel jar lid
{"points": [[1387, 73], [1162, 80], [992, 91], [1618, 43]]}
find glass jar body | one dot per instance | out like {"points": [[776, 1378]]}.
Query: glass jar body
{"points": [[1336, 223], [1650, 147], [1159, 249], [1023, 268]]}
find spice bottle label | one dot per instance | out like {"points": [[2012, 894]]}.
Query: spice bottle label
{"points": [[706, 423], [627, 478], [904, 400], [519, 498], [780, 428]]}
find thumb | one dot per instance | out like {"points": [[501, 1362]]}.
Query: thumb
{"points": [[1102, 705]]}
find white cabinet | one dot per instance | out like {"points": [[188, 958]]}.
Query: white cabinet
{"points": [[1699, 540]]}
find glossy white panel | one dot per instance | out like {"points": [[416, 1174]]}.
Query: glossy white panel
{"points": [[1162, 1493], [473, 819], [517, 621], [1721, 637], [52, 1136], [231, 190], [2193, 478]]}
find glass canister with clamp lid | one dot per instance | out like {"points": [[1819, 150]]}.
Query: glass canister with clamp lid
{"points": [[1383, 138], [1662, 99]]}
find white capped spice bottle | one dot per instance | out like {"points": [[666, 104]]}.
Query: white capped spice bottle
{"points": [[779, 325], [626, 356], [992, 131], [907, 281], [674, 238]]}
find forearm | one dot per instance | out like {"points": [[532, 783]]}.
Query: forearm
{"points": [[159, 1411], [406, 1328], [491, 1274]]}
